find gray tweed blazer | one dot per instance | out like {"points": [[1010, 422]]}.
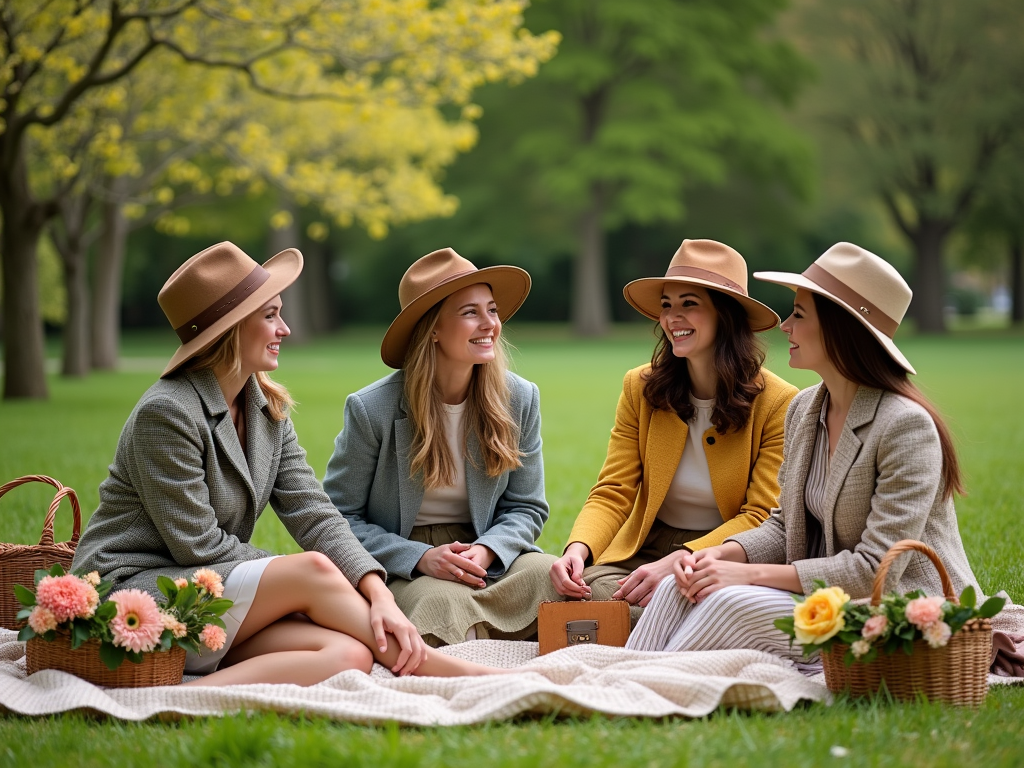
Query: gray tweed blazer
{"points": [[884, 484], [369, 480], [182, 494]]}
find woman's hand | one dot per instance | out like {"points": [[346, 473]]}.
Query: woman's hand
{"points": [[567, 572], [480, 554], [709, 573], [639, 586], [385, 617], [451, 563]]}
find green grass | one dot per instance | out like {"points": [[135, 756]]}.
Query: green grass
{"points": [[973, 377]]}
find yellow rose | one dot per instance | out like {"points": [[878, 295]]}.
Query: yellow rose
{"points": [[820, 616]]}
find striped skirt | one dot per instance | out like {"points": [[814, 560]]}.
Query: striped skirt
{"points": [[733, 617]]}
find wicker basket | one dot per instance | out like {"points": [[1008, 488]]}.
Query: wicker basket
{"points": [[157, 668], [956, 673], [19, 562]]}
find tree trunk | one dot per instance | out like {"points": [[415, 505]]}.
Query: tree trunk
{"points": [[73, 252], [929, 301], [319, 303], [1016, 279], [107, 277], [294, 307], [590, 306], [23, 220]]}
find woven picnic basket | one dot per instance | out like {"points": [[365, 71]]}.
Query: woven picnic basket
{"points": [[956, 673], [19, 562], [157, 667]]}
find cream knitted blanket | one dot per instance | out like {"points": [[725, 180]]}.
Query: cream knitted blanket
{"points": [[578, 680]]}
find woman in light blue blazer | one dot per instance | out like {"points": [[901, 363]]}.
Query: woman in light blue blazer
{"points": [[438, 469]]}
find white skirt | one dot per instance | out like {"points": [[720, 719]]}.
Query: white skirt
{"points": [[240, 586]]}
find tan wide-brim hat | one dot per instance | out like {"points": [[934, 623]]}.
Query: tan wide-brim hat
{"points": [[218, 288], [707, 263], [865, 285], [437, 276]]}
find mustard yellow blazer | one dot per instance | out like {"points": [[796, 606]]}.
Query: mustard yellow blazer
{"points": [[644, 452]]}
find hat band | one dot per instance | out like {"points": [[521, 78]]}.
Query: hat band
{"points": [[705, 274], [217, 310], [852, 299]]}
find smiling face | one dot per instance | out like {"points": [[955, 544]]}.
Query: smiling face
{"points": [[806, 347], [467, 327], [690, 321], [260, 339]]}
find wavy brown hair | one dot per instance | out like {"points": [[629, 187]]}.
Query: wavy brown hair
{"points": [[226, 352], [738, 360], [488, 410], [859, 357]]}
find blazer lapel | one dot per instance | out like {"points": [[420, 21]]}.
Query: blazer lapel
{"points": [[410, 491], [224, 433], [260, 440], [666, 439], [862, 411], [798, 465]]}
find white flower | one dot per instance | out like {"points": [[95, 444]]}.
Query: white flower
{"points": [[860, 648]]}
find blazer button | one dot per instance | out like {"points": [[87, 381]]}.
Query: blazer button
{"points": [[711, 441]]}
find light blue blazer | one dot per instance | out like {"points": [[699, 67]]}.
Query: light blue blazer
{"points": [[369, 481]]}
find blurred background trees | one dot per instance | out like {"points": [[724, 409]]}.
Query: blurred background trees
{"points": [[134, 133]]}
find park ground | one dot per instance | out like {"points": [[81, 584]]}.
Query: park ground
{"points": [[973, 376]]}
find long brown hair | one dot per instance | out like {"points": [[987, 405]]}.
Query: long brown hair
{"points": [[227, 352], [738, 360], [488, 410], [859, 357]]}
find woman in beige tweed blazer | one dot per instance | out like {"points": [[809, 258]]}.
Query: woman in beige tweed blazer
{"points": [[201, 455], [867, 462]]}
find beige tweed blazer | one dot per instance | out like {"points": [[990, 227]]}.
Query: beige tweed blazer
{"points": [[182, 494], [884, 484]]}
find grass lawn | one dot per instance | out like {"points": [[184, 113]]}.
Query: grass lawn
{"points": [[973, 377]]}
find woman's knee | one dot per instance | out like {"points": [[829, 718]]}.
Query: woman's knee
{"points": [[316, 567], [346, 653]]}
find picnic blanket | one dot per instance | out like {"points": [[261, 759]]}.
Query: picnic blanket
{"points": [[578, 680]]}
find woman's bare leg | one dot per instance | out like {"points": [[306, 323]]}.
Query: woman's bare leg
{"points": [[290, 651], [310, 583]]}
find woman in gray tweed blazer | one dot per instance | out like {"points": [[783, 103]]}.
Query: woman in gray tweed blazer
{"points": [[201, 455], [867, 461], [438, 469]]}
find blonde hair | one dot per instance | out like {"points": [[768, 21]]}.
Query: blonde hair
{"points": [[226, 352], [488, 410]]}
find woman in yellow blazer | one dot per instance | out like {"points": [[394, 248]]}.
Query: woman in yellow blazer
{"points": [[695, 451]]}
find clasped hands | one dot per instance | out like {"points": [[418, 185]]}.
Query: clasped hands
{"points": [[697, 575], [466, 563]]}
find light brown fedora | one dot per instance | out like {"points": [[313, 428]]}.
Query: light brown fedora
{"points": [[217, 288], [865, 285], [707, 263], [435, 277]]}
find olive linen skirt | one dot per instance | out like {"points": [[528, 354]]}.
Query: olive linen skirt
{"points": [[506, 609]]}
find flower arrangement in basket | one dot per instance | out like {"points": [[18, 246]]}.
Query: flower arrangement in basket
{"points": [[858, 640], [66, 620]]}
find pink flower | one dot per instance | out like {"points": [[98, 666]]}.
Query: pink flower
{"points": [[860, 647], [181, 583], [213, 637], [874, 628], [138, 623], [937, 634], [210, 581], [178, 629], [67, 597], [924, 611], [42, 620]]}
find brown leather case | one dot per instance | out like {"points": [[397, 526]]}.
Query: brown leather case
{"points": [[577, 622]]}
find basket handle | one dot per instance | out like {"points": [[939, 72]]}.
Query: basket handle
{"points": [[46, 538], [910, 545]]}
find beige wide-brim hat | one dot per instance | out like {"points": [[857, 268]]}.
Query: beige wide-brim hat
{"points": [[865, 285], [707, 263], [218, 288], [437, 276]]}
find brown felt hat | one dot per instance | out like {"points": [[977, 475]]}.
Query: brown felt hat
{"points": [[865, 285], [707, 263], [437, 276], [217, 289]]}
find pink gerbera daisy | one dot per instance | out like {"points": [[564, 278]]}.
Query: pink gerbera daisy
{"points": [[213, 637], [67, 597], [209, 580], [138, 623]]}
